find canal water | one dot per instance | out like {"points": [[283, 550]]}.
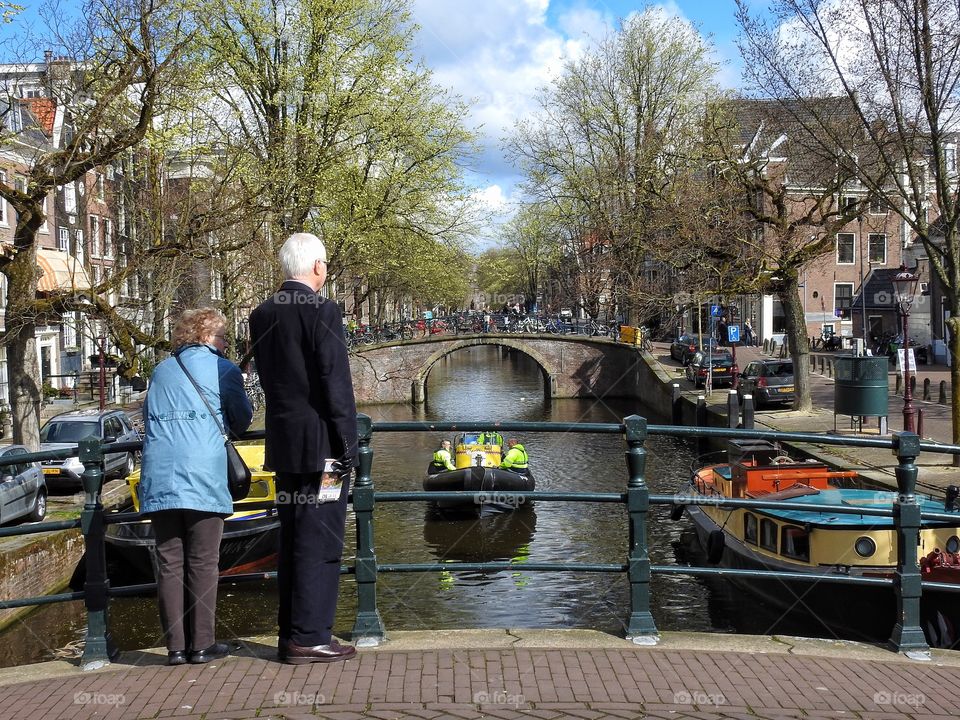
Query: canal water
{"points": [[479, 383]]}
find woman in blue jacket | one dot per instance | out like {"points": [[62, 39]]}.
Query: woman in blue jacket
{"points": [[183, 485]]}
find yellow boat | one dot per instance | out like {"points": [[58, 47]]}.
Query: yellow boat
{"points": [[250, 537], [478, 470]]}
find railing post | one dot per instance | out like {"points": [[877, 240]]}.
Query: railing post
{"points": [[641, 628], [368, 628], [98, 649], [907, 634], [676, 404]]}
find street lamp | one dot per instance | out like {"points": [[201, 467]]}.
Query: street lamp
{"points": [[905, 290]]}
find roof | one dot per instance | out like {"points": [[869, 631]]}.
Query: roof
{"points": [[878, 289], [44, 110], [80, 415]]}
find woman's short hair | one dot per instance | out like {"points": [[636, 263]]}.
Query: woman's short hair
{"points": [[299, 253], [195, 326]]}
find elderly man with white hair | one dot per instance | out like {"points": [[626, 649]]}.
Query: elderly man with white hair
{"points": [[311, 419]]}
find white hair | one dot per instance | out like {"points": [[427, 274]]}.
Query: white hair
{"points": [[299, 253]]}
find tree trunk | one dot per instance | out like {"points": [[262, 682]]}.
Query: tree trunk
{"points": [[953, 324], [798, 341], [22, 367]]}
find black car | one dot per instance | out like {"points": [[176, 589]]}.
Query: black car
{"points": [[769, 381], [686, 346], [721, 364]]}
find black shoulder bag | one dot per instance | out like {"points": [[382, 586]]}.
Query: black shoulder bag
{"points": [[238, 474]]}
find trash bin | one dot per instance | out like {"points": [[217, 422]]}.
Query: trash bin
{"points": [[862, 387]]}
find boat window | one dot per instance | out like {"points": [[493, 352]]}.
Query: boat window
{"points": [[750, 528], [768, 534], [795, 542]]}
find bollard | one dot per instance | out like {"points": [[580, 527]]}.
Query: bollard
{"points": [[676, 404], [748, 422], [907, 634], [829, 368], [733, 409], [913, 384], [701, 420], [98, 649], [926, 390], [943, 393], [773, 347], [897, 389], [920, 422], [368, 627], [641, 628], [766, 346], [820, 360]]}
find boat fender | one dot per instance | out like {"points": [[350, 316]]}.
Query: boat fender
{"points": [[715, 545], [676, 512]]}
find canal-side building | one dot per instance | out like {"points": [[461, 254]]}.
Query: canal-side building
{"points": [[874, 239]]}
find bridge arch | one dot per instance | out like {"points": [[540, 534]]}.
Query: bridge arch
{"points": [[549, 372]]}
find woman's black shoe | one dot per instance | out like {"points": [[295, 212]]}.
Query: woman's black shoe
{"points": [[177, 657], [214, 652]]}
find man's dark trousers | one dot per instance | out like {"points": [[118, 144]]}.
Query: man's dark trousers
{"points": [[311, 547]]}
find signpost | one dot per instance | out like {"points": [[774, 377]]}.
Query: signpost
{"points": [[733, 337]]}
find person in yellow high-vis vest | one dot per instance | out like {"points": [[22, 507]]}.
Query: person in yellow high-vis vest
{"points": [[516, 458], [442, 461]]}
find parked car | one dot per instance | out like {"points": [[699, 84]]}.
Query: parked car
{"points": [[699, 367], [72, 427], [769, 381], [686, 346], [23, 492]]}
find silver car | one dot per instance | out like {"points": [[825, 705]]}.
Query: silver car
{"points": [[70, 428], [23, 492]]}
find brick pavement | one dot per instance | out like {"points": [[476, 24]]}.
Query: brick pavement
{"points": [[512, 682]]}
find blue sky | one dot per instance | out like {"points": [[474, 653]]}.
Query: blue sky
{"points": [[496, 53]]}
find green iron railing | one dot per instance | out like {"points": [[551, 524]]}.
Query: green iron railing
{"points": [[641, 627]]}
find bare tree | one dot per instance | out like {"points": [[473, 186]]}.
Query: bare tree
{"points": [[897, 64], [124, 63]]}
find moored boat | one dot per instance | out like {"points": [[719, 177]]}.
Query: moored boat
{"points": [[817, 541], [478, 470], [250, 537]]}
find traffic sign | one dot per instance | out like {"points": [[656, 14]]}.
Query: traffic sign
{"points": [[733, 333], [716, 310]]}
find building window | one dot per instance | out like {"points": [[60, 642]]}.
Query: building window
{"points": [[107, 237], [70, 198], [94, 236], [879, 206], [768, 534], [877, 249], [100, 187], [44, 227], [97, 274], [81, 249], [842, 299], [845, 248], [750, 529], [848, 202], [63, 240], [950, 158]]}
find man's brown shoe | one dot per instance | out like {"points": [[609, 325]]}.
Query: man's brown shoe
{"points": [[294, 654]]}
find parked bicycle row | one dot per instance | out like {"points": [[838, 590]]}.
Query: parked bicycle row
{"points": [[477, 323]]}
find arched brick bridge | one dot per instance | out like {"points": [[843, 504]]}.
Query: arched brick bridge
{"points": [[572, 366]]}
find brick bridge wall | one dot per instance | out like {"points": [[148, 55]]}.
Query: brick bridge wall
{"points": [[572, 366]]}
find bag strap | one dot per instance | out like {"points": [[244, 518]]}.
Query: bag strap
{"points": [[202, 397]]}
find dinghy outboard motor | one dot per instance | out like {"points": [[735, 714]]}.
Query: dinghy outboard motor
{"points": [[949, 504]]}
